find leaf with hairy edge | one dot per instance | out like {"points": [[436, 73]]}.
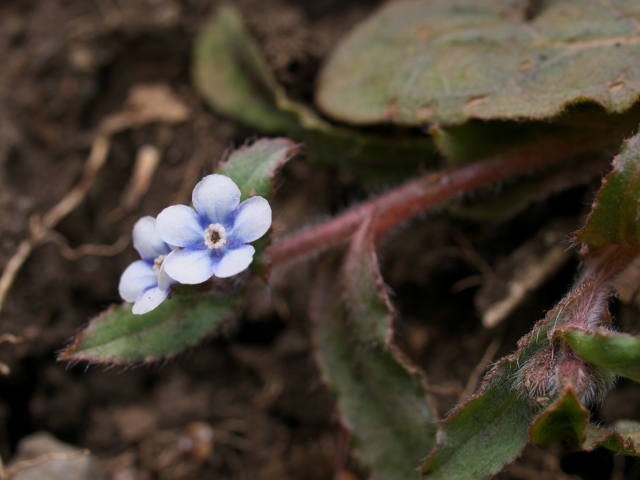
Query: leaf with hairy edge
{"points": [[381, 399], [567, 420], [486, 433], [615, 212], [231, 74], [618, 352], [564, 420], [449, 61], [119, 337], [253, 167]]}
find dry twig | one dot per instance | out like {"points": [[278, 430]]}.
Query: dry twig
{"points": [[474, 378], [145, 104]]}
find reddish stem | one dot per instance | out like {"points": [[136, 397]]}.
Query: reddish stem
{"points": [[589, 297], [402, 203]]}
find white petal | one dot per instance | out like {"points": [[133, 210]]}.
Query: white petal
{"points": [[179, 225], [234, 261], [164, 280], [189, 266], [215, 197], [149, 300], [147, 241], [252, 220], [137, 278]]}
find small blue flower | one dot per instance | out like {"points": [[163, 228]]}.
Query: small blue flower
{"points": [[145, 281], [214, 236]]}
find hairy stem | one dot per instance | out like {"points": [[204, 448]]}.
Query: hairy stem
{"points": [[404, 202]]}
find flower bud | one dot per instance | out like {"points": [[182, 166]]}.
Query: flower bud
{"points": [[550, 371]]}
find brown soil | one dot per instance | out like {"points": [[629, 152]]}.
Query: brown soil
{"points": [[67, 64]]}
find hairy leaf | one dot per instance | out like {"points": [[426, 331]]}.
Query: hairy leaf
{"points": [[564, 420], [117, 336], [615, 212], [448, 61], [483, 435], [568, 421], [230, 72], [253, 167], [618, 352], [380, 398]]}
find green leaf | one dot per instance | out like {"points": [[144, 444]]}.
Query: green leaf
{"points": [[381, 399], [449, 61], [480, 437], [119, 337], [578, 124], [622, 438], [231, 74], [614, 218], [567, 420], [564, 420], [618, 352], [253, 167]]}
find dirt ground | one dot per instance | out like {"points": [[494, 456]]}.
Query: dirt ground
{"points": [[66, 66]]}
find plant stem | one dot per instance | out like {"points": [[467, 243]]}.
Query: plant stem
{"points": [[404, 202], [590, 295]]}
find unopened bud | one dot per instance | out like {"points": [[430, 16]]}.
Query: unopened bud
{"points": [[550, 371], [571, 371]]}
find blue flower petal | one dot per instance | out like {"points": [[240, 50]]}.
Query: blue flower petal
{"points": [[234, 261], [148, 300], [147, 241], [253, 219], [137, 278], [179, 225], [189, 266], [215, 197]]}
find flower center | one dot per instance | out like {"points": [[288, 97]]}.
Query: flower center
{"points": [[157, 263], [215, 236]]}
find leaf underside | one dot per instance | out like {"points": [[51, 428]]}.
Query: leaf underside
{"points": [[449, 61], [117, 336]]}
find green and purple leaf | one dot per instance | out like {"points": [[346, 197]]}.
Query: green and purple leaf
{"points": [[253, 168], [615, 351], [448, 61], [614, 218], [485, 434], [567, 420], [381, 399], [564, 420], [232, 75], [119, 337]]}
